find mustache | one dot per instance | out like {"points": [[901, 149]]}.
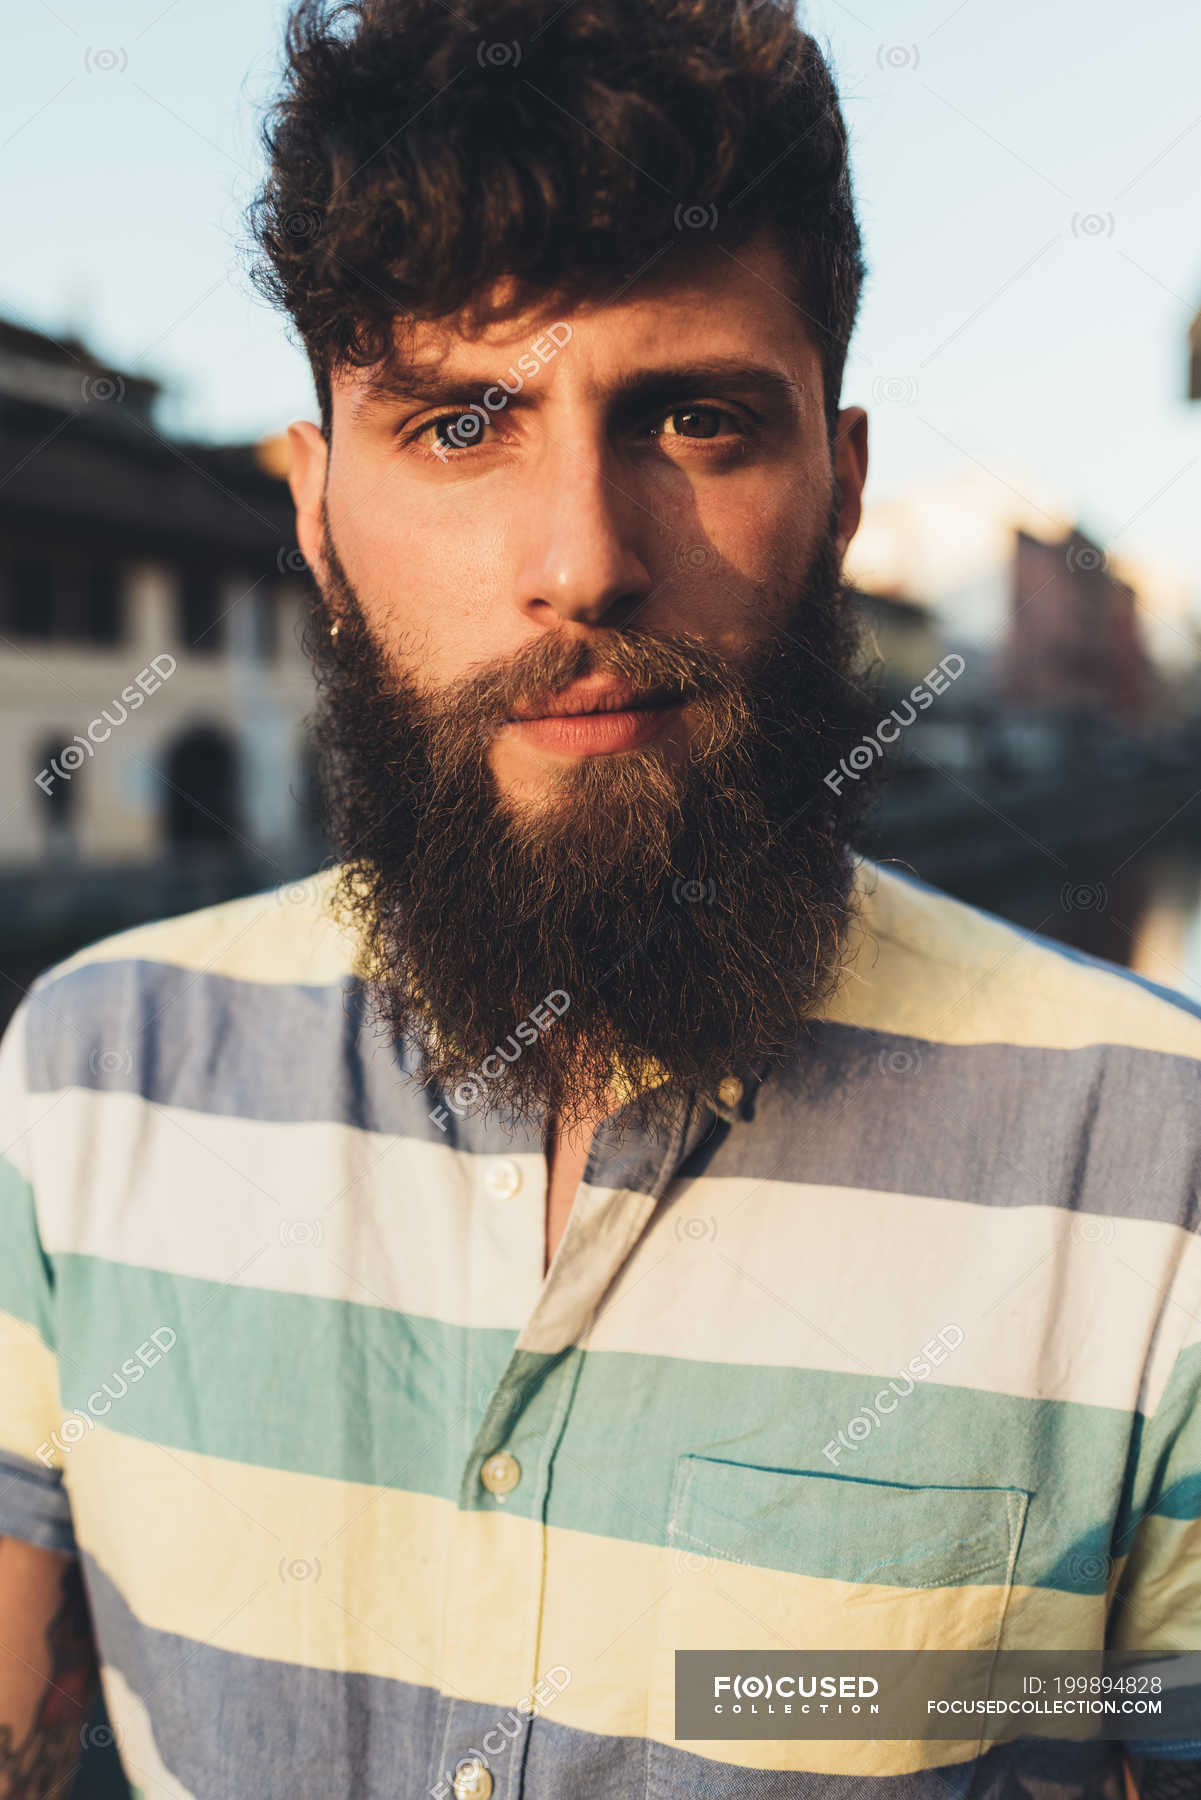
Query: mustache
{"points": [[460, 719], [680, 668]]}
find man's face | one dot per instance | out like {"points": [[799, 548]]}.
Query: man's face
{"points": [[628, 506], [660, 460]]}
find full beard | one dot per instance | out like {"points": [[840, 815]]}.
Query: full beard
{"points": [[688, 915]]}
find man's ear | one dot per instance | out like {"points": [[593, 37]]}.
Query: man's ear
{"points": [[309, 454], [850, 471]]}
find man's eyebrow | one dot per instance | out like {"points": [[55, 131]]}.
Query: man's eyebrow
{"points": [[434, 385]]}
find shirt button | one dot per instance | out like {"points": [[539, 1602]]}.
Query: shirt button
{"points": [[500, 1474], [502, 1178], [472, 1780], [729, 1090]]}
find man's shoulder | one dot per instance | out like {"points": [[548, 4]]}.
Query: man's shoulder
{"points": [[281, 934], [926, 965], [206, 969]]}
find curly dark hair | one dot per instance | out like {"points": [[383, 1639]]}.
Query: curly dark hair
{"points": [[412, 161]]}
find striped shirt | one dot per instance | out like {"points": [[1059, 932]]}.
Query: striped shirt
{"points": [[894, 1344]]}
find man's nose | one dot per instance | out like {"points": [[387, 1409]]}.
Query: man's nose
{"points": [[579, 559]]}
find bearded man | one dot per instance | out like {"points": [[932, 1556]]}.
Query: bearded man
{"points": [[469, 1310]]}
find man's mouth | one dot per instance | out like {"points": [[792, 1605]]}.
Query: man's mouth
{"points": [[594, 717], [595, 695]]}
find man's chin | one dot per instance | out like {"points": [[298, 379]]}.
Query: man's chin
{"points": [[594, 820], [530, 775]]}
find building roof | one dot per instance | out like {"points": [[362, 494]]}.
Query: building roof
{"points": [[81, 454]]}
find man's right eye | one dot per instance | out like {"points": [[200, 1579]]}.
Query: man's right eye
{"points": [[451, 432]]}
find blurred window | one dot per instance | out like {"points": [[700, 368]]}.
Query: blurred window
{"points": [[266, 622], [59, 792], [201, 626], [31, 597], [104, 622], [203, 779], [67, 599]]}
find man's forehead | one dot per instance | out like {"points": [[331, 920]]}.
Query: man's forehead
{"points": [[706, 307]]}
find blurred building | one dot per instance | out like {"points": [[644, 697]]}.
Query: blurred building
{"points": [[154, 688], [1074, 642], [901, 635], [1042, 614]]}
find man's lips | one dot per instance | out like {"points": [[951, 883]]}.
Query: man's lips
{"points": [[595, 717], [583, 698]]}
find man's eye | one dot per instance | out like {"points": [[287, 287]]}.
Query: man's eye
{"points": [[452, 431], [700, 422]]}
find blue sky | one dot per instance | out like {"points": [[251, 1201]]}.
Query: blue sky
{"points": [[1027, 177]]}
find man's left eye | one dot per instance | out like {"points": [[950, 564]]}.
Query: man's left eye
{"points": [[701, 422]]}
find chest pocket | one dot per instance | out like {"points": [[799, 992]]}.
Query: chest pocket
{"points": [[779, 1559]]}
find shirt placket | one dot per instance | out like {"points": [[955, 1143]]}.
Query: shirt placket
{"points": [[499, 1275], [495, 1579]]}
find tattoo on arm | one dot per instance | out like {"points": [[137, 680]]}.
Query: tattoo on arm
{"points": [[41, 1766]]}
